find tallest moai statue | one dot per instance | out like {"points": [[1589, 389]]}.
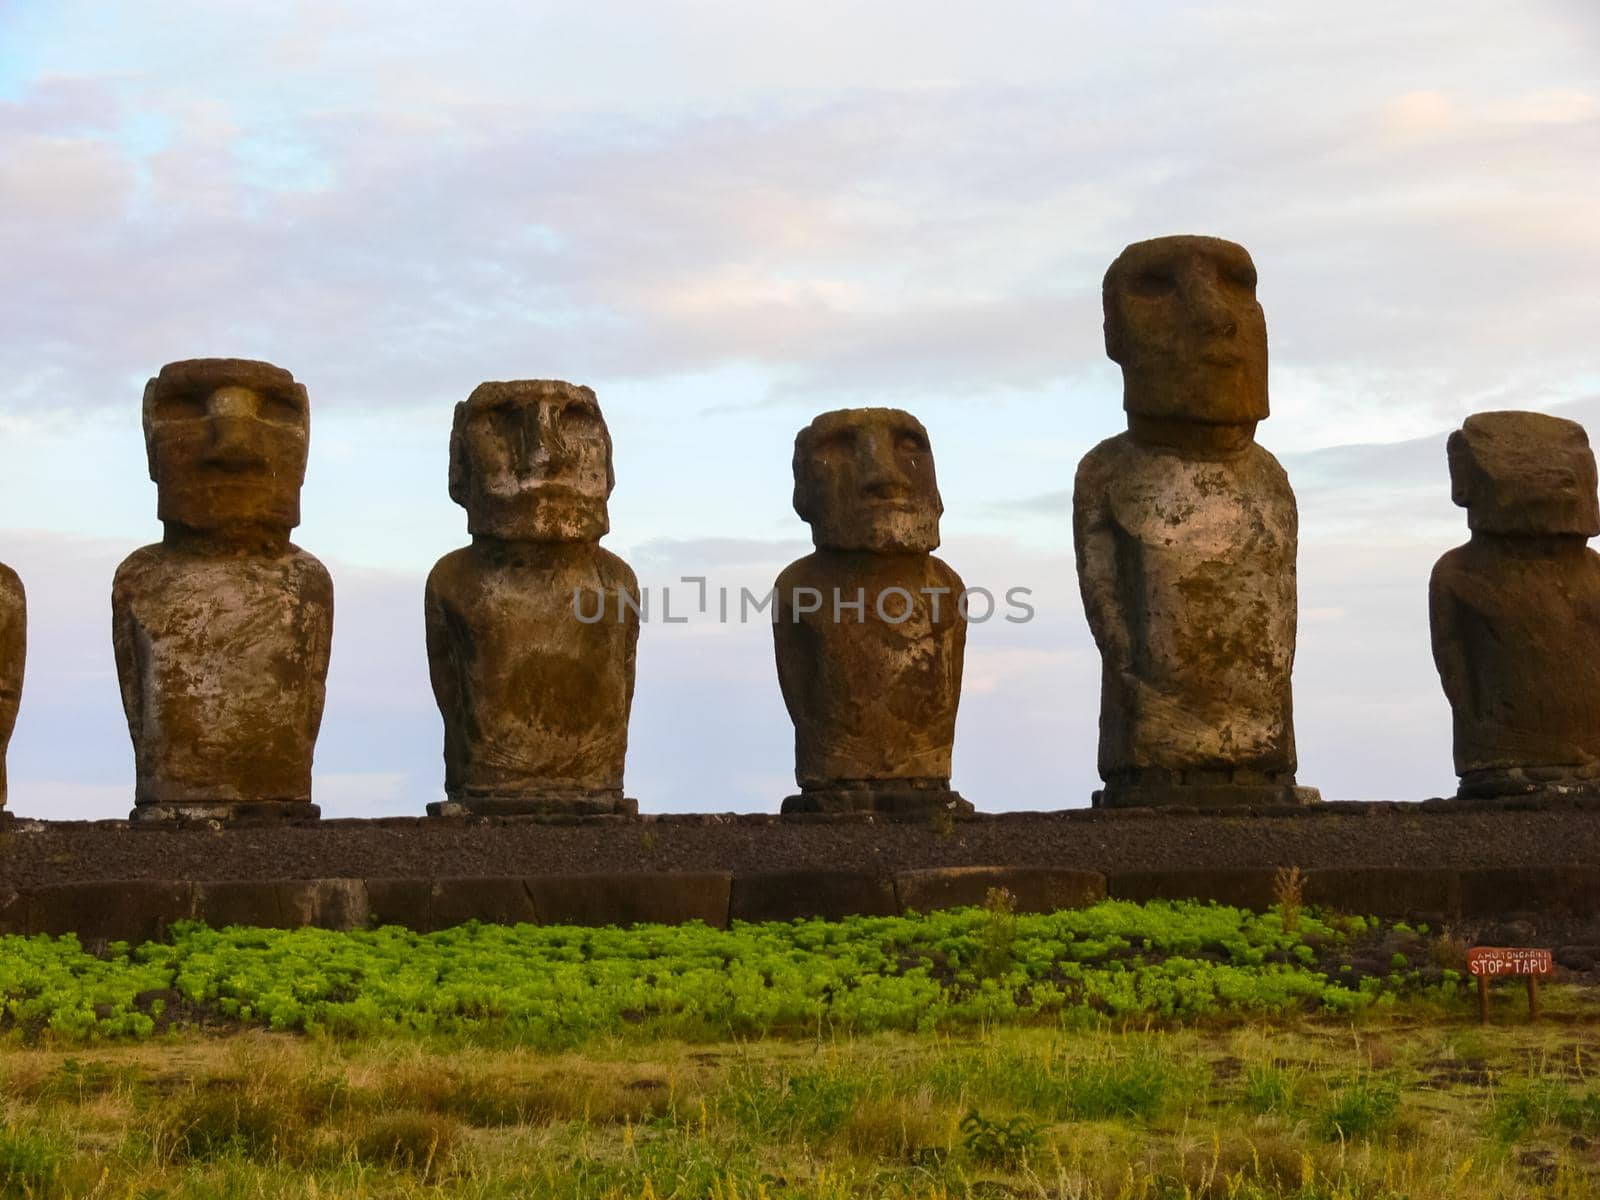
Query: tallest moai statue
{"points": [[1186, 533]]}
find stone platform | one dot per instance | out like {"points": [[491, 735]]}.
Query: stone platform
{"points": [[1433, 861]]}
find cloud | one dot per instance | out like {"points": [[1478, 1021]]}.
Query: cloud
{"points": [[932, 226]]}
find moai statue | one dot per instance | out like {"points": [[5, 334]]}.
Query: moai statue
{"points": [[532, 628], [1515, 612], [1185, 531], [869, 629], [222, 628], [13, 650]]}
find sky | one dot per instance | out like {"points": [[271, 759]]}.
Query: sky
{"points": [[726, 218]]}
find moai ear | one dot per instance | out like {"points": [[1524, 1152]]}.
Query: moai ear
{"points": [[1459, 456], [1113, 332], [458, 456], [149, 438]]}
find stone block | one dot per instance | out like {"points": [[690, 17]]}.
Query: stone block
{"points": [[407, 902], [261, 903], [1036, 889], [494, 900], [1242, 887], [1427, 893], [1572, 891], [339, 904], [133, 910], [661, 898], [811, 892]]}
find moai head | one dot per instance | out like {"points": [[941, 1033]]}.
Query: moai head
{"points": [[1182, 321], [863, 480], [227, 441], [530, 460], [1524, 474]]}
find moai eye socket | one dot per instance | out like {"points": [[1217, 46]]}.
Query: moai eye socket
{"points": [[911, 440], [579, 417], [1240, 274], [1153, 283], [283, 408], [179, 404]]}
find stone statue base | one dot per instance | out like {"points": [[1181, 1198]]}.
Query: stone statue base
{"points": [[605, 803], [226, 811], [1521, 783], [905, 797], [1204, 795]]}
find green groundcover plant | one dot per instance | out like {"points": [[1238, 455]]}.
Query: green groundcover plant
{"points": [[562, 986]]}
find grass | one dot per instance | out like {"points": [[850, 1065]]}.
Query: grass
{"points": [[559, 988], [1121, 1052], [1306, 1108]]}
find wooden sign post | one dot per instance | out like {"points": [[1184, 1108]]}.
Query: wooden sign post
{"points": [[1489, 962]]}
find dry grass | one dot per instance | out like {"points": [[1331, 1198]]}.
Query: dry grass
{"points": [[1313, 1111]]}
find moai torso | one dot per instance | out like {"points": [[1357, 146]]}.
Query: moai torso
{"points": [[872, 697], [532, 628], [1515, 612], [535, 700], [1523, 633], [1197, 611], [223, 664], [13, 653], [868, 631]]}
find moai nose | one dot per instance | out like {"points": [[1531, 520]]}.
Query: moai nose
{"points": [[231, 414], [1211, 311], [877, 470]]}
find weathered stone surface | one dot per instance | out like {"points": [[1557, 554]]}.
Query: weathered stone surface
{"points": [[532, 629], [1186, 533], [264, 904], [339, 904], [832, 895], [13, 910], [222, 630], [493, 901], [635, 898], [1242, 887], [1034, 889], [1413, 892], [1569, 890], [406, 901], [869, 630], [122, 910], [1515, 612], [13, 652]]}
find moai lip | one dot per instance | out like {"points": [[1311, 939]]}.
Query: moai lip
{"points": [[222, 629], [532, 628], [868, 631], [1186, 534], [1514, 613]]}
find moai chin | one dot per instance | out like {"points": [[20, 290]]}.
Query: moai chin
{"points": [[1185, 531], [13, 652], [1515, 612], [532, 628], [222, 629], [869, 630]]}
